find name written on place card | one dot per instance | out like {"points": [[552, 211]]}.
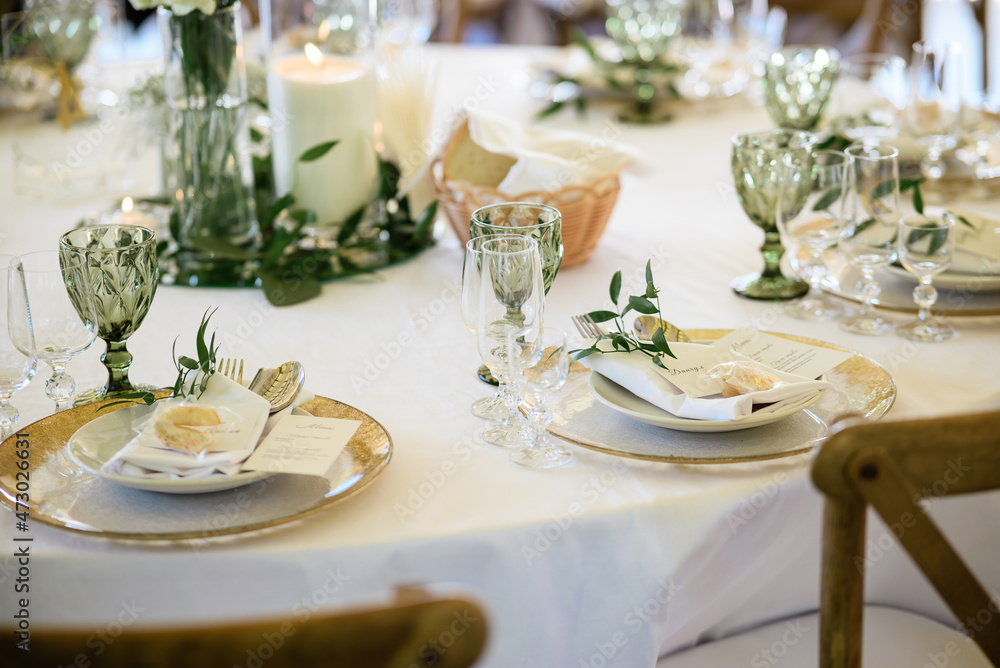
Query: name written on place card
{"points": [[302, 444], [783, 354]]}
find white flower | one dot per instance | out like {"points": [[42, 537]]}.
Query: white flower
{"points": [[178, 7]]}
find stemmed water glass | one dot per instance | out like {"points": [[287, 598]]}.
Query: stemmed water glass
{"points": [[772, 171], [492, 407], [539, 365], [511, 299], [17, 365], [538, 221], [936, 101], [925, 247], [60, 319], [868, 239], [869, 96], [121, 261], [816, 228], [642, 29], [797, 85]]}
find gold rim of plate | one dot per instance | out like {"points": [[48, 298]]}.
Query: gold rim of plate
{"points": [[370, 450], [858, 366]]}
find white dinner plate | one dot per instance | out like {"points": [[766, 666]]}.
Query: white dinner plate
{"points": [[617, 398], [99, 440]]}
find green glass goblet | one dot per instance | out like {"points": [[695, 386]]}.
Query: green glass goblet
{"points": [[772, 171], [797, 85], [541, 222], [121, 260]]}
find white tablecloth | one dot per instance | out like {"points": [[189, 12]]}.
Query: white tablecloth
{"points": [[608, 562]]}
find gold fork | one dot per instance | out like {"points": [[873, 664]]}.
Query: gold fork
{"points": [[227, 367]]}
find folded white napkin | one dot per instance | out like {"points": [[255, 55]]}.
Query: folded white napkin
{"points": [[636, 372], [549, 159], [146, 456], [977, 251]]}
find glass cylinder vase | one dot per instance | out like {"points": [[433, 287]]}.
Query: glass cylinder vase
{"points": [[321, 98], [207, 153]]}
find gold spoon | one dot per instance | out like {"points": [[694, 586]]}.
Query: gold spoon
{"points": [[646, 325]]}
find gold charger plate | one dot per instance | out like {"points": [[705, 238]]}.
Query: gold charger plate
{"points": [[64, 495], [859, 385]]}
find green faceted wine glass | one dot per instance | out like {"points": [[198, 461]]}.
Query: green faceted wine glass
{"points": [[121, 260], [772, 171], [797, 85], [541, 222]]}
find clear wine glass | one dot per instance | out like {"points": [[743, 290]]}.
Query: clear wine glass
{"points": [[512, 298], [868, 240], [406, 22], [869, 97], [925, 247], [492, 407], [121, 260], [539, 365], [816, 228], [642, 29], [17, 366], [797, 85], [61, 317], [772, 170], [935, 101]]}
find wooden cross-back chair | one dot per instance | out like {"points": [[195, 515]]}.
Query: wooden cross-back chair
{"points": [[415, 630], [892, 467]]}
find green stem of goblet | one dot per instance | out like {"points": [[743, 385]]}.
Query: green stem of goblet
{"points": [[772, 250], [117, 360]]}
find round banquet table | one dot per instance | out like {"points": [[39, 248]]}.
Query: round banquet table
{"points": [[611, 561]]}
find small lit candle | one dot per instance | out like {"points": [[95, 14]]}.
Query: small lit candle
{"points": [[316, 98], [128, 214]]}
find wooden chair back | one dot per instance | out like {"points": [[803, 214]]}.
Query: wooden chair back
{"points": [[416, 630], [892, 466]]}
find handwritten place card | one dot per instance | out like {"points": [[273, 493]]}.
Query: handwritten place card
{"points": [[687, 372], [783, 354], [302, 444]]}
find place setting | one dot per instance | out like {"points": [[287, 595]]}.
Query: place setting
{"points": [[131, 462]]}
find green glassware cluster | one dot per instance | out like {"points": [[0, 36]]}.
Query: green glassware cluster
{"points": [[541, 222], [772, 171], [121, 261]]}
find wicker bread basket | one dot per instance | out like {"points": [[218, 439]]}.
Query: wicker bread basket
{"points": [[585, 209]]}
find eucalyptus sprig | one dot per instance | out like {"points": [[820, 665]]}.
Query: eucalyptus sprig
{"points": [[622, 340], [186, 385]]}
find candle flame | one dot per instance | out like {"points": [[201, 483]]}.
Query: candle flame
{"points": [[313, 53], [127, 205], [324, 30]]}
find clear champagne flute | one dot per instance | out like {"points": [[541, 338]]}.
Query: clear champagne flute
{"points": [[925, 247], [816, 229], [121, 260], [935, 101], [17, 366], [512, 298], [539, 365], [492, 407], [868, 239], [61, 319]]}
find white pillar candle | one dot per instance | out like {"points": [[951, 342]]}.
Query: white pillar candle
{"points": [[316, 98]]}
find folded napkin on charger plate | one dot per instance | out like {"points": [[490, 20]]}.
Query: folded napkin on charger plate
{"points": [[977, 251], [636, 372], [146, 456], [547, 157]]}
